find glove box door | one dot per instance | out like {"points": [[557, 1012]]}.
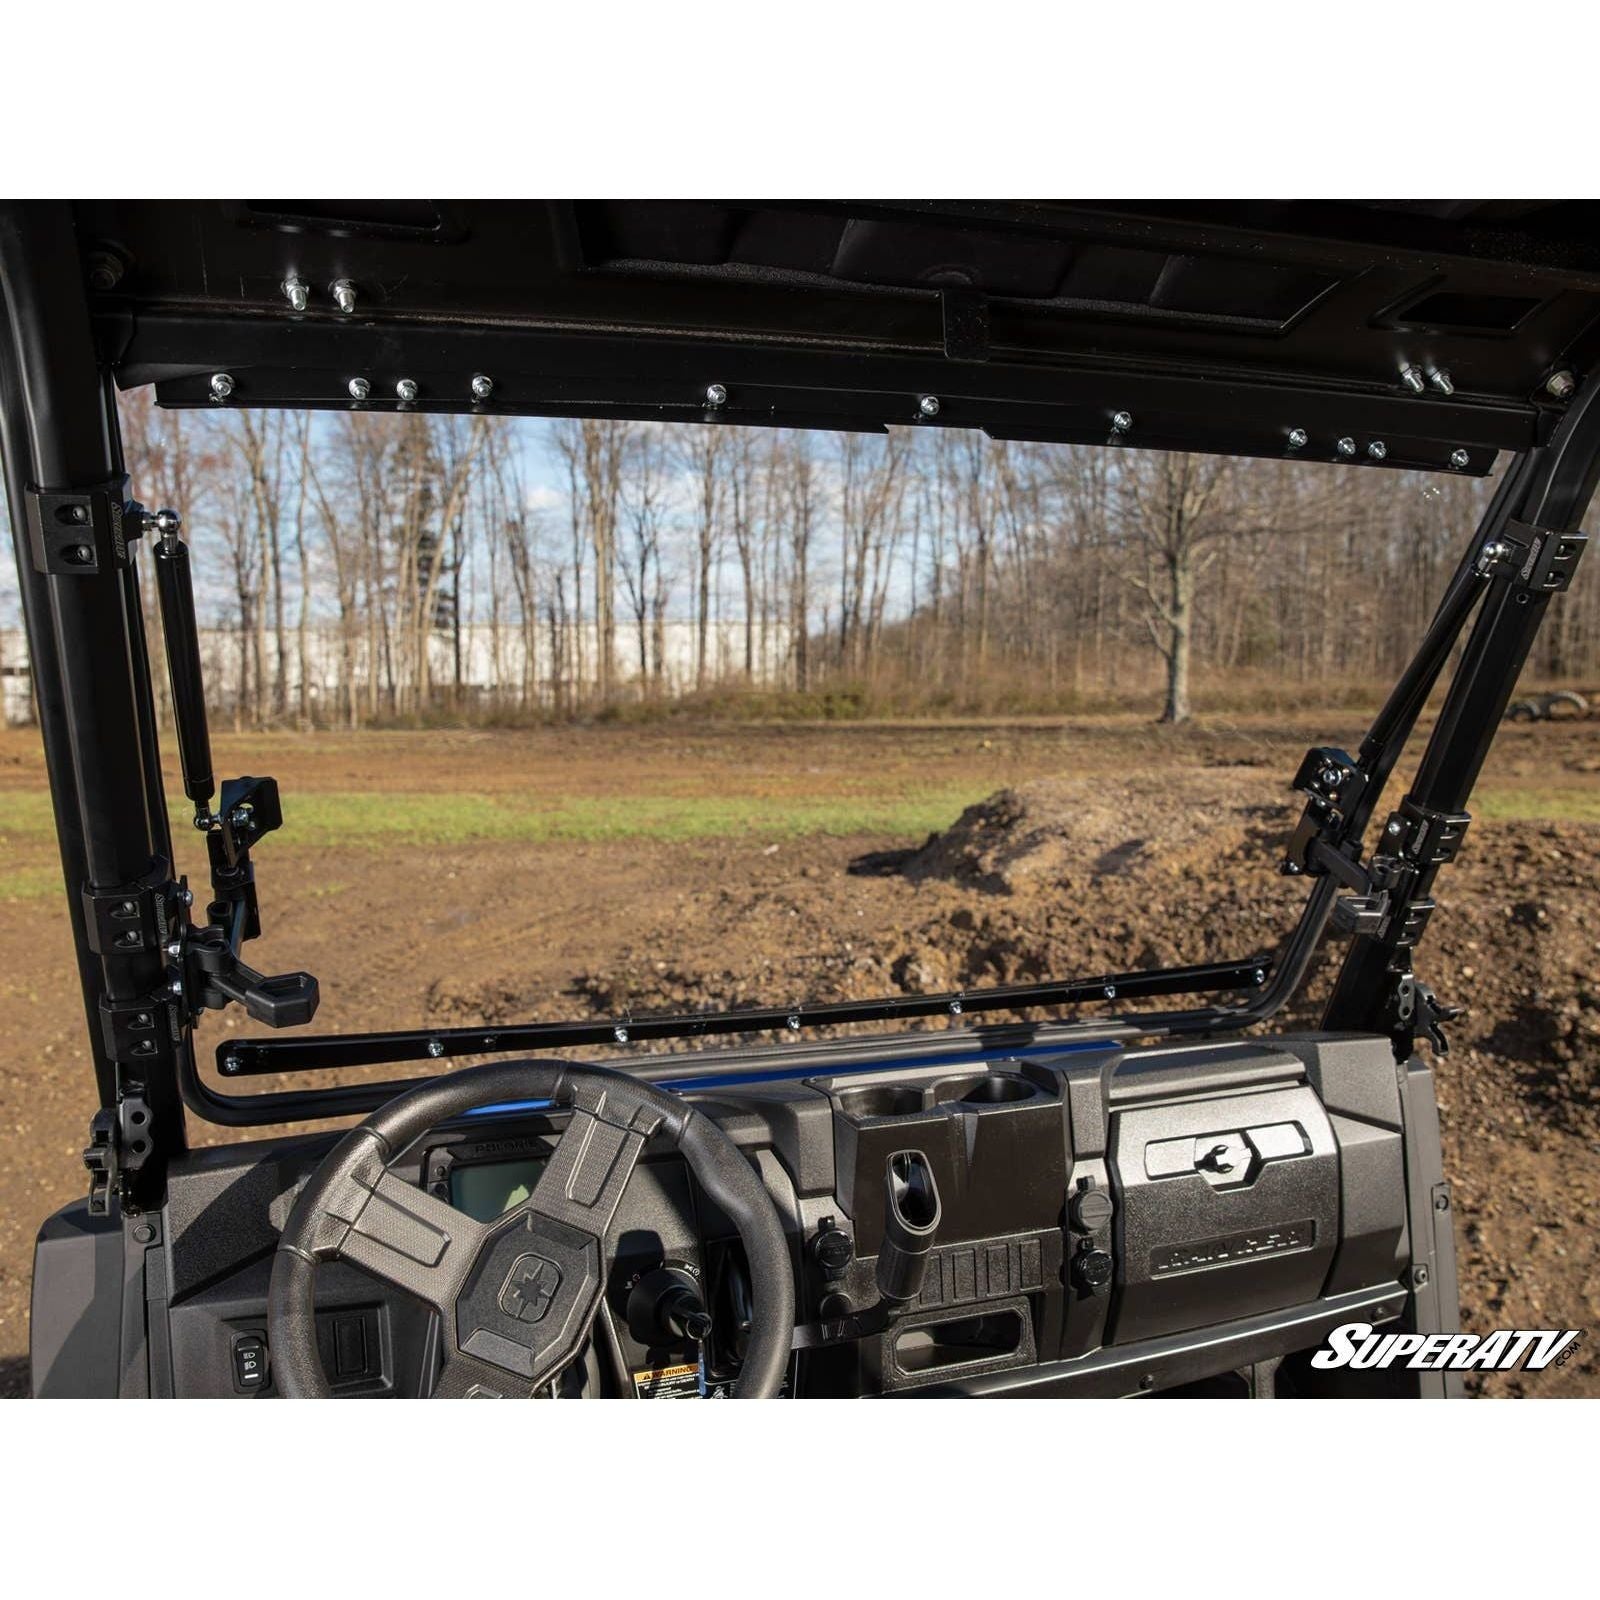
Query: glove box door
{"points": [[1226, 1207]]}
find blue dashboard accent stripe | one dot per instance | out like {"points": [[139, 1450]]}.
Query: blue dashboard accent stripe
{"points": [[730, 1080]]}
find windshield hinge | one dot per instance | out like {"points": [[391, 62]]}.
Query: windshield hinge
{"points": [[120, 1142]]}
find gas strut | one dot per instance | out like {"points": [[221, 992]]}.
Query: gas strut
{"points": [[175, 590]]}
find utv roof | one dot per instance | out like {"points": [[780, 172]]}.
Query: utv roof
{"points": [[1423, 334]]}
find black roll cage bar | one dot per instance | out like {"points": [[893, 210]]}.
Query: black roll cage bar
{"points": [[147, 970]]}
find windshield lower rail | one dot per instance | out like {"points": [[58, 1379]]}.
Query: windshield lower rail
{"points": [[255, 1057]]}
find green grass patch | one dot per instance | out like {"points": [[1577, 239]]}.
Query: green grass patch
{"points": [[29, 883], [1494, 804], [382, 820], [428, 819]]}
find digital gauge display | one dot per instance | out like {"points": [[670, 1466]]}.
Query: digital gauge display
{"points": [[489, 1189]]}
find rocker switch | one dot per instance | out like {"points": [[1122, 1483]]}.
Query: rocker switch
{"points": [[249, 1361]]}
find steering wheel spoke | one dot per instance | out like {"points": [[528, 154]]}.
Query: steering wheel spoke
{"points": [[465, 1377], [414, 1241]]}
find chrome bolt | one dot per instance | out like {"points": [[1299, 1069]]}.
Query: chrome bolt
{"points": [[793, 1022], [1261, 974], [359, 388], [1394, 828], [231, 1064], [1377, 449], [406, 389], [435, 1048], [716, 395], [1412, 378], [1440, 378], [295, 293], [1111, 991], [221, 385], [186, 894], [1346, 446], [1298, 438], [955, 1007], [482, 387], [620, 1034], [344, 295], [1459, 459], [176, 985], [1561, 384], [928, 405], [175, 949], [1121, 422]]}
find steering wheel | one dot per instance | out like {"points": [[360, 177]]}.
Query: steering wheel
{"points": [[516, 1296]]}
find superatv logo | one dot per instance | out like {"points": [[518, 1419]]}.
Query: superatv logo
{"points": [[1354, 1345]]}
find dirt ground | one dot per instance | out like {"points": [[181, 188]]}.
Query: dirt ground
{"points": [[1105, 845]]}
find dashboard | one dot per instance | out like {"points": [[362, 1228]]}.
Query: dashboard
{"points": [[1188, 1219]]}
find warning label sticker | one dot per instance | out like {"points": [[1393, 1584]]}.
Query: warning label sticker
{"points": [[668, 1383]]}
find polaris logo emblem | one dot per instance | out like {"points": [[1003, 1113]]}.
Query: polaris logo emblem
{"points": [[1354, 1345], [529, 1288]]}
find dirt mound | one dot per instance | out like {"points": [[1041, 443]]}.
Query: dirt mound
{"points": [[1057, 832]]}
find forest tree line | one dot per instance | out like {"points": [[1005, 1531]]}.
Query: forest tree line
{"points": [[922, 568]]}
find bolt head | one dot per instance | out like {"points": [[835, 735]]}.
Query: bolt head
{"points": [[359, 388], [1459, 459], [793, 1022], [1121, 421], [1298, 438], [221, 385], [1561, 385], [1412, 378], [482, 387], [231, 1064], [928, 405], [1440, 378], [175, 949], [955, 1008], [406, 389], [175, 985], [716, 395], [620, 1035], [1377, 450], [1393, 829], [295, 293], [344, 295], [1110, 991], [435, 1048], [1346, 446]]}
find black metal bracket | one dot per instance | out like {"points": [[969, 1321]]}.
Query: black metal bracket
{"points": [[1536, 560], [75, 533]]}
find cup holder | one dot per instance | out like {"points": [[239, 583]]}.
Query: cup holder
{"points": [[881, 1100], [990, 1089]]}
